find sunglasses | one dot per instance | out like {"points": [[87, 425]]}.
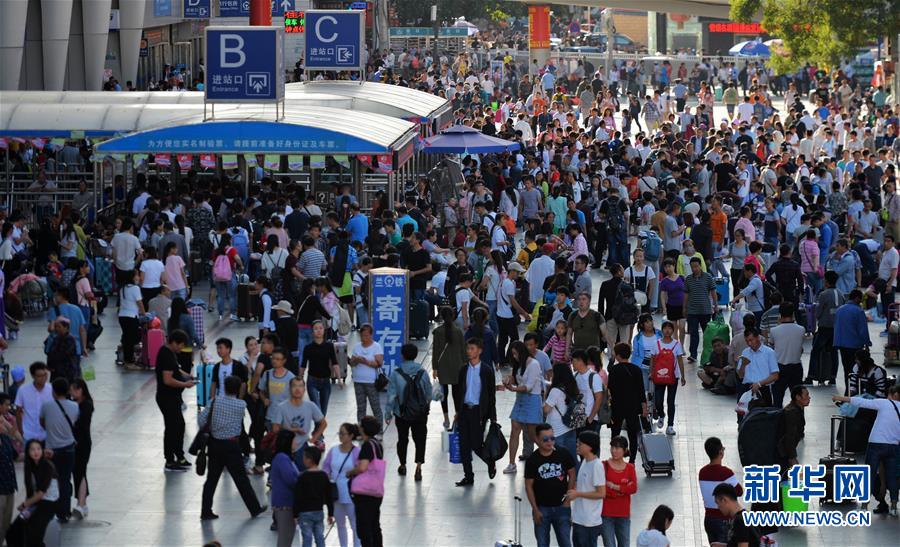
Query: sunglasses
{"points": [[548, 438]]}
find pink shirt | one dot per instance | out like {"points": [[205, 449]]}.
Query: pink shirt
{"points": [[809, 256], [748, 228], [174, 269]]}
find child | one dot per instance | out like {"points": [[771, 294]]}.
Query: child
{"points": [[54, 266], [667, 349], [312, 491], [557, 344], [626, 121], [712, 375]]}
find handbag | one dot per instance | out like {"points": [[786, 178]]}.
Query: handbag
{"points": [[371, 481], [201, 439], [333, 485], [381, 381], [200, 463]]}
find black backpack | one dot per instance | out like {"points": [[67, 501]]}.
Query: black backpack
{"points": [[625, 310], [415, 405], [615, 218]]}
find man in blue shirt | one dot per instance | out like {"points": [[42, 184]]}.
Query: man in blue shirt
{"points": [[358, 225], [474, 398], [77, 324], [404, 218], [851, 332], [753, 293], [757, 367], [844, 264]]}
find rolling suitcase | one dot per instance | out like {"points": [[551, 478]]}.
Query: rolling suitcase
{"points": [[517, 527], [151, 343], [757, 443], [245, 306], [836, 457], [723, 291], [657, 457], [197, 309], [340, 351], [4, 373], [204, 382], [418, 319]]}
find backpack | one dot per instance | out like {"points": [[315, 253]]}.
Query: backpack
{"points": [[415, 405], [663, 371], [222, 268], [615, 218], [769, 289], [625, 310], [576, 413], [240, 240], [652, 246]]}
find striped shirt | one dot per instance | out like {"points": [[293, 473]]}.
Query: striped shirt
{"points": [[311, 263], [697, 289], [712, 475], [556, 347]]}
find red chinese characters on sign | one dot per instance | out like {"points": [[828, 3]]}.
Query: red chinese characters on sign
{"points": [[539, 27], [737, 28]]}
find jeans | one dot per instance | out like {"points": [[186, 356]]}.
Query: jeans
{"points": [[312, 525], [618, 250], [669, 391], [877, 453], [585, 536], [718, 268], [560, 518], [304, 338], [615, 531], [226, 290], [696, 322], [492, 318], [362, 315], [815, 282], [567, 441], [367, 392], [319, 391], [716, 529], [178, 293], [64, 460]]}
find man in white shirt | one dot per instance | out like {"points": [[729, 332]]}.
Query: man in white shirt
{"points": [[591, 387], [538, 271], [745, 111], [29, 400], [126, 247], [367, 357], [757, 367]]}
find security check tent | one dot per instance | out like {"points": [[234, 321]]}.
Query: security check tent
{"points": [[242, 129]]}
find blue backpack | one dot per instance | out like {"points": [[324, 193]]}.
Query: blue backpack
{"points": [[241, 241], [652, 246]]}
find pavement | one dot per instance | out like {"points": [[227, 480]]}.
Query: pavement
{"points": [[133, 502]]}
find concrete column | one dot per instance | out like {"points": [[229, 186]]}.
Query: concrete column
{"points": [[75, 62], [12, 42], [55, 25], [95, 24], [131, 15], [32, 78], [652, 46], [538, 35]]}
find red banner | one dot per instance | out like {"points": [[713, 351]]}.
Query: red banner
{"points": [[162, 160], [539, 27], [185, 161], [208, 161], [385, 163]]}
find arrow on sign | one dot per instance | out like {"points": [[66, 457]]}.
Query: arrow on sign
{"points": [[286, 5]]}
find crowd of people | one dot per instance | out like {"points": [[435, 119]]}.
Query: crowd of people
{"points": [[783, 214]]}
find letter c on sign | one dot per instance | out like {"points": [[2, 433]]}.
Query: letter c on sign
{"points": [[333, 36], [231, 45]]}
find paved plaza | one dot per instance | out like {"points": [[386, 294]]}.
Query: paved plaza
{"points": [[133, 502]]}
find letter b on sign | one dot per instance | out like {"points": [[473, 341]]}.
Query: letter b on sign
{"points": [[231, 51]]}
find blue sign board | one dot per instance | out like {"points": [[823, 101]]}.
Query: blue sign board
{"points": [[334, 40], [389, 305], [162, 8], [196, 9], [244, 64], [241, 8]]}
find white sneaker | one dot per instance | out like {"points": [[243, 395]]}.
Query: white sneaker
{"points": [[220, 317], [893, 510], [76, 512], [660, 423], [510, 469], [670, 430]]}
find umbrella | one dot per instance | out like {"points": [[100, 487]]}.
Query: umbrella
{"points": [[461, 139], [462, 23], [752, 48]]}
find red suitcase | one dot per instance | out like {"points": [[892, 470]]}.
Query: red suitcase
{"points": [[153, 341]]}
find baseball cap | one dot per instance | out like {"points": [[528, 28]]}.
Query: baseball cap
{"points": [[18, 373], [515, 267]]}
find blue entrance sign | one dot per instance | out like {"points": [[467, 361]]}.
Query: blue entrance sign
{"points": [[196, 9], [162, 8], [244, 64], [241, 8], [281, 6], [389, 302], [334, 39]]}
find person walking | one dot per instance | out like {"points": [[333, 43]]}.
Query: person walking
{"points": [[366, 359], [549, 475], [853, 334], [409, 396], [628, 397], [170, 382], [527, 382], [590, 490], [82, 429], [368, 504], [448, 340], [667, 354], [320, 359], [715, 523], [58, 417], [312, 491], [474, 398], [699, 303], [283, 476], [340, 459], [823, 358], [224, 417], [787, 341], [621, 484]]}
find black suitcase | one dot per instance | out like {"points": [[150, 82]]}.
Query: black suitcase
{"points": [[836, 457], [245, 304], [418, 319], [757, 436], [657, 457]]}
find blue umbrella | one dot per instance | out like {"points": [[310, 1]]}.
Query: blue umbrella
{"points": [[461, 139], [751, 48]]}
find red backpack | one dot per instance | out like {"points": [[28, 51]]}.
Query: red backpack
{"points": [[663, 371]]}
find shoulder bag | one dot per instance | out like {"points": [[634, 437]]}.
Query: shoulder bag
{"points": [[371, 481]]}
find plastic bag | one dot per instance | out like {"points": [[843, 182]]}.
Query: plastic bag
{"points": [[533, 324], [743, 404], [494, 446], [88, 373]]}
